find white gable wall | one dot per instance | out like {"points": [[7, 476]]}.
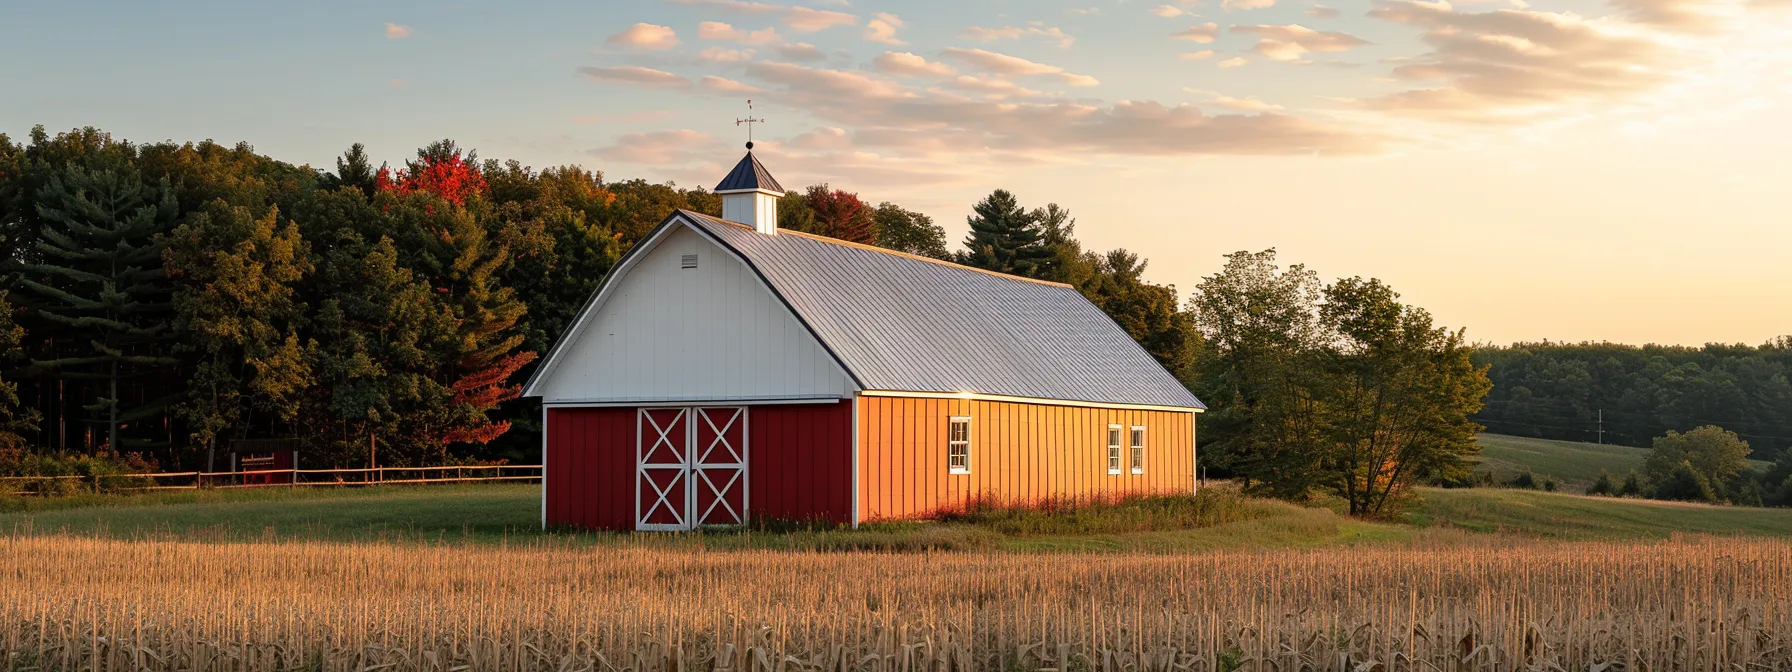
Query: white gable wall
{"points": [[710, 333]]}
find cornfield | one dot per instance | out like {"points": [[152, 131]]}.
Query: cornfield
{"points": [[76, 603]]}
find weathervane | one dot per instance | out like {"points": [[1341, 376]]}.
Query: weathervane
{"points": [[749, 121]]}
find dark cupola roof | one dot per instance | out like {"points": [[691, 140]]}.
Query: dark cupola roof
{"points": [[749, 175]]}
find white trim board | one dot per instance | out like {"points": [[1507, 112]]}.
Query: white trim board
{"points": [[1026, 400]]}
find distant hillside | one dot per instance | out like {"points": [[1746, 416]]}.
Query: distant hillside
{"points": [[1572, 464]]}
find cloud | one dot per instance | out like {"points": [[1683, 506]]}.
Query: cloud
{"points": [[1200, 33], [720, 55], [724, 85], [1167, 11], [1245, 104], [1692, 16], [396, 83], [894, 120], [1323, 12], [882, 29], [660, 148], [800, 19], [1196, 55], [1292, 42], [397, 32], [1016, 32], [1082, 11], [827, 138], [634, 75], [644, 36], [800, 51], [1247, 4], [1014, 65], [805, 20], [1511, 66], [801, 78], [991, 87], [1233, 62], [909, 65], [716, 30]]}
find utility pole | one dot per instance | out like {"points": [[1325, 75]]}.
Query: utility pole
{"points": [[1601, 426]]}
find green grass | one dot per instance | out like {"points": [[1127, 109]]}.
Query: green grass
{"points": [[1564, 516], [1219, 519], [1573, 465]]}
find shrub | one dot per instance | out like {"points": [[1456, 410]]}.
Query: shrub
{"points": [[65, 474], [1686, 484], [1603, 486], [1632, 487], [1549, 485], [1525, 480]]}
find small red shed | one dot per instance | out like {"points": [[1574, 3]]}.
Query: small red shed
{"points": [[727, 370]]}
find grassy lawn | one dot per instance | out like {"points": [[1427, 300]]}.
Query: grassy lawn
{"points": [[1565, 516], [1573, 465], [1221, 519]]}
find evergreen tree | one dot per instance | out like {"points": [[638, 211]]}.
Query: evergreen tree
{"points": [[101, 286], [1006, 238], [354, 170]]}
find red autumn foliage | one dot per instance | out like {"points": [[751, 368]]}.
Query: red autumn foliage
{"points": [[840, 214], [483, 389], [439, 169]]}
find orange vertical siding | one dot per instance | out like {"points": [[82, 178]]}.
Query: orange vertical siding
{"points": [[1020, 454]]}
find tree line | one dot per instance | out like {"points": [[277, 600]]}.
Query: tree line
{"points": [[1637, 393], [164, 300]]}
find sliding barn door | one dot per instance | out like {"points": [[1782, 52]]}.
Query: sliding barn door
{"points": [[691, 468]]}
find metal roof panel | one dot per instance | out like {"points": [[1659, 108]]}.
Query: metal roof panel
{"points": [[904, 323]]}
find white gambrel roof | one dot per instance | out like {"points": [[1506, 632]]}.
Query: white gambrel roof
{"points": [[898, 322]]}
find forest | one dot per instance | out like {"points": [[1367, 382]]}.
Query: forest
{"points": [[1627, 395], [163, 300]]}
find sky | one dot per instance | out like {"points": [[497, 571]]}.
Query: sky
{"points": [[1525, 169]]}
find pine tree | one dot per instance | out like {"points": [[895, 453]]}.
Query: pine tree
{"points": [[1006, 238], [354, 170], [101, 285]]}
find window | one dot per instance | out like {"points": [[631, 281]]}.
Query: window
{"points": [[1138, 449], [1114, 448], [958, 445]]}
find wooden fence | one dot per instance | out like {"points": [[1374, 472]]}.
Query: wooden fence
{"points": [[280, 478]]}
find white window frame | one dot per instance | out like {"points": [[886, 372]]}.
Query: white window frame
{"points": [[1136, 439], [1116, 435], [951, 444]]}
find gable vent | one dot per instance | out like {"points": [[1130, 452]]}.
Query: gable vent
{"points": [[688, 261]]}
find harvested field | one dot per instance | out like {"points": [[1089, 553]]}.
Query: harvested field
{"points": [[70, 603]]}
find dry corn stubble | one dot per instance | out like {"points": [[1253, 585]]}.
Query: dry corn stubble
{"points": [[73, 603]]}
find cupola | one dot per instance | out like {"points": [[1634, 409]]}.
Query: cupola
{"points": [[750, 195]]}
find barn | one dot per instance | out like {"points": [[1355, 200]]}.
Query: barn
{"points": [[727, 371]]}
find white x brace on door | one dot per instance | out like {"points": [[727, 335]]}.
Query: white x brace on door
{"points": [[691, 467]]}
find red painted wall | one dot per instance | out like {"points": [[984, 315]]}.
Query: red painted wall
{"points": [[591, 468], [799, 464], [800, 461]]}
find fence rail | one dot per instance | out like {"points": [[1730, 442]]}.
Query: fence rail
{"points": [[283, 478]]}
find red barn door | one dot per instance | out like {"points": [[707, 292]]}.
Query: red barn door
{"points": [[691, 469], [719, 474], [662, 470]]}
